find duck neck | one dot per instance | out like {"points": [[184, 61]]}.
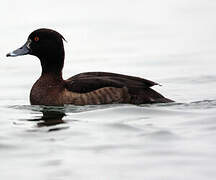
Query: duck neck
{"points": [[52, 64]]}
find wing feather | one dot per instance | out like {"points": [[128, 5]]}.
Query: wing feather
{"points": [[90, 81]]}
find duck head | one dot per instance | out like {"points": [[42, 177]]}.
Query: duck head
{"points": [[47, 45]]}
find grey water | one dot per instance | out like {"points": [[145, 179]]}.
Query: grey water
{"points": [[170, 42]]}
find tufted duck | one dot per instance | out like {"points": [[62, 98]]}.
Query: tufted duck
{"points": [[82, 89]]}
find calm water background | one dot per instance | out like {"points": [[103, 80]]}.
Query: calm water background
{"points": [[172, 42]]}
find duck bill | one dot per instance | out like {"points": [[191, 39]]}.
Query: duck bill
{"points": [[25, 49]]}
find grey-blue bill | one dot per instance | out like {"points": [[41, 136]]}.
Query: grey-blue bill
{"points": [[25, 49]]}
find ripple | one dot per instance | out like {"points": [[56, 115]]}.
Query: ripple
{"points": [[203, 104], [65, 108], [163, 135]]}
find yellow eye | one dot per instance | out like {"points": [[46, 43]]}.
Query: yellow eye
{"points": [[36, 39]]}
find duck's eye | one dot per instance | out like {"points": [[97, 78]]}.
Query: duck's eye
{"points": [[36, 38]]}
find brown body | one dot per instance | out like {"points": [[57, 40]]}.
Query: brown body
{"points": [[53, 90], [57, 94]]}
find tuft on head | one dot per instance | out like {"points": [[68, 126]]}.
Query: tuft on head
{"points": [[47, 32]]}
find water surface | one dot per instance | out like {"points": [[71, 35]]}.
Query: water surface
{"points": [[170, 42]]}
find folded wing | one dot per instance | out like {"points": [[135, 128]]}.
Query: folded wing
{"points": [[128, 89]]}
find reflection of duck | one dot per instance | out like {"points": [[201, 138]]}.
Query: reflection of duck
{"points": [[50, 118], [84, 88]]}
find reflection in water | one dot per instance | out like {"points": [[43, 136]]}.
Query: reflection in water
{"points": [[50, 117], [53, 115]]}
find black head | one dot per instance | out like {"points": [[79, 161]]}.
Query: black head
{"points": [[47, 45]]}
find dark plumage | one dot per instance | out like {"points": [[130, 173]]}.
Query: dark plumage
{"points": [[84, 88]]}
